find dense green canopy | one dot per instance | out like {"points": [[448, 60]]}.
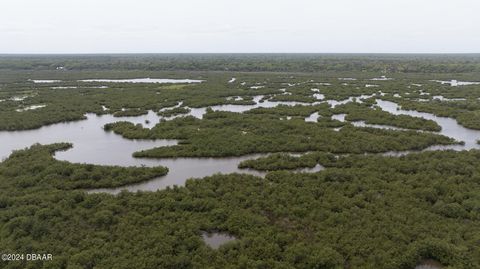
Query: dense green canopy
{"points": [[362, 210]]}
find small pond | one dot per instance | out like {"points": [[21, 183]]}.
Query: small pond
{"points": [[215, 240]]}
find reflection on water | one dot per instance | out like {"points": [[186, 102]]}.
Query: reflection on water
{"points": [[441, 98], [339, 117], [32, 107], [215, 240], [316, 168], [455, 83], [450, 127], [319, 96], [313, 117], [362, 123], [429, 264], [93, 145], [382, 78], [44, 80], [144, 80], [199, 112], [357, 99], [182, 169]]}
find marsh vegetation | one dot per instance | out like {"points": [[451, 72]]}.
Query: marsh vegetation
{"points": [[304, 166]]}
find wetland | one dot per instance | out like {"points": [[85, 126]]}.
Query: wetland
{"points": [[296, 167]]}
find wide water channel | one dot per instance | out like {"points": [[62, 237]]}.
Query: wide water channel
{"points": [[95, 146], [91, 144]]}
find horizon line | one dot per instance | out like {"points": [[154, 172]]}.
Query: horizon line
{"points": [[238, 53]]}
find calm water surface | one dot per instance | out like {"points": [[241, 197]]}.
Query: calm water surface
{"points": [[215, 240], [144, 80], [93, 145], [450, 127], [429, 264]]}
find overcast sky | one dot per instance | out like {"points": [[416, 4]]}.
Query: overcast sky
{"points": [[131, 26]]}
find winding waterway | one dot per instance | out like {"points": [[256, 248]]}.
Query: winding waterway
{"points": [[93, 145], [450, 127]]}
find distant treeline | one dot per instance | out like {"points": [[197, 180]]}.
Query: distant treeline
{"points": [[400, 63]]}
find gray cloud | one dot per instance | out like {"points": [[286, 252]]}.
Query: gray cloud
{"points": [[87, 26]]}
